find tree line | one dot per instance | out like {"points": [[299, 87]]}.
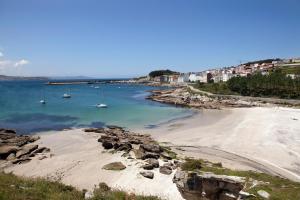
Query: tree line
{"points": [[274, 84]]}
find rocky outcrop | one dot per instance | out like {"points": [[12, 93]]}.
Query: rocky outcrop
{"points": [[147, 174], [114, 166], [182, 97], [135, 146], [18, 149], [208, 186]]}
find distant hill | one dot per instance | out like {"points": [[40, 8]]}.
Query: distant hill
{"points": [[162, 72], [16, 78], [262, 61]]}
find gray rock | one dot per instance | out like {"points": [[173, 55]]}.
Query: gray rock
{"points": [[263, 194], [208, 186], [148, 167], [41, 150], [26, 150], [165, 170], [150, 155], [153, 162], [6, 150], [107, 145], [114, 166], [147, 174], [155, 148]]}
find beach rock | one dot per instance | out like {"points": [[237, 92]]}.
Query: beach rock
{"points": [[147, 174], [5, 150], [7, 131], [150, 155], [26, 150], [107, 145], [138, 153], [263, 194], [195, 186], [151, 148], [153, 162], [114, 166], [21, 160], [148, 167], [165, 170], [41, 150], [11, 156], [124, 147]]}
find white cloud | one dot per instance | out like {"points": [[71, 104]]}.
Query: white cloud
{"points": [[1, 54], [21, 62]]}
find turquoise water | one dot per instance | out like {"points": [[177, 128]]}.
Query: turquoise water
{"points": [[20, 108]]}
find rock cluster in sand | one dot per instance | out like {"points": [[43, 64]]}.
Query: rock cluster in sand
{"points": [[136, 146], [181, 97], [18, 149]]}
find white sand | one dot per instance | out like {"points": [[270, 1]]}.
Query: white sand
{"points": [[264, 139], [78, 160], [269, 136]]}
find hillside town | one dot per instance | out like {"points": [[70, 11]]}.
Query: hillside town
{"points": [[224, 74]]}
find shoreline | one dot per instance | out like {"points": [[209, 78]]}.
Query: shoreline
{"points": [[259, 134]]}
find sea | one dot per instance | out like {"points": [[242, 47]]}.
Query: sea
{"points": [[20, 106]]}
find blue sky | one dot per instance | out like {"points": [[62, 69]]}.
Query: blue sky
{"points": [[124, 38]]}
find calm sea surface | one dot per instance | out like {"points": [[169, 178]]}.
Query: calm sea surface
{"points": [[20, 108]]}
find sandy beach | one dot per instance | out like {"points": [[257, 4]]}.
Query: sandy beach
{"points": [[261, 139], [78, 160], [268, 137]]}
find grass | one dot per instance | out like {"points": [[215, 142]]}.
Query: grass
{"points": [[18, 188], [169, 151], [278, 188], [215, 88]]}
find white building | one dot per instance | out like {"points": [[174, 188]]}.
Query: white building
{"points": [[183, 78], [193, 77]]}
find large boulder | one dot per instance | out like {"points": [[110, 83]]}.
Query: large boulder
{"points": [[114, 166], [107, 144], [153, 162], [148, 167], [147, 174], [165, 170], [26, 150], [5, 150], [155, 148], [194, 186], [150, 155]]}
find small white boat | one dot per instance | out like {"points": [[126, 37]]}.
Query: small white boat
{"points": [[66, 95], [42, 101], [96, 87], [101, 105]]}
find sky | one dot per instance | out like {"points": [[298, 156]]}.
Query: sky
{"points": [[127, 38]]}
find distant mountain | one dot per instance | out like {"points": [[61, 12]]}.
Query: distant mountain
{"points": [[16, 78]]}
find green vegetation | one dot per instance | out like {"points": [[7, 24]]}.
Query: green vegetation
{"points": [[19, 188], [276, 84], [291, 69], [162, 72], [169, 151], [262, 61], [278, 188], [216, 88]]}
